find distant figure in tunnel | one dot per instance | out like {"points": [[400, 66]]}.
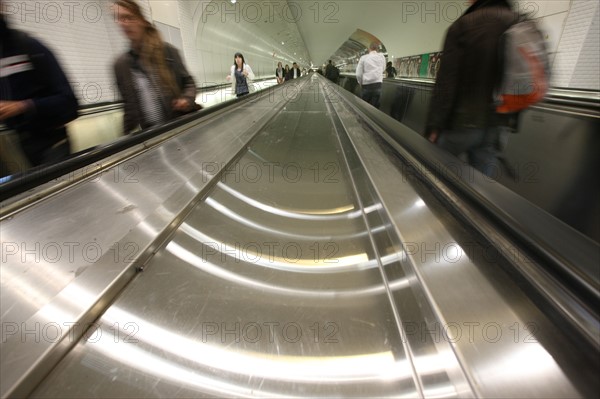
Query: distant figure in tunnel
{"points": [[36, 102], [462, 117], [241, 76], [369, 74], [294, 72], [332, 72], [280, 73], [152, 79], [390, 71]]}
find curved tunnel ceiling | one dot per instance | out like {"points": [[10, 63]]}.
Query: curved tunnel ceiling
{"points": [[349, 53], [312, 32], [403, 27]]}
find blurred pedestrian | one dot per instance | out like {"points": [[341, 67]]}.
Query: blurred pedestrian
{"points": [[152, 79], [294, 72], [462, 117], [280, 73], [390, 70], [36, 100]]}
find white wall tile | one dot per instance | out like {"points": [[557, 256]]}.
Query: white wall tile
{"points": [[576, 62]]}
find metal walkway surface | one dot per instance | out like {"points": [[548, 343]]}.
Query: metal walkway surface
{"points": [[280, 249]]}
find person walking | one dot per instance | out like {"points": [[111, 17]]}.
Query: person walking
{"points": [[152, 79], [369, 74], [462, 117], [241, 76], [36, 102], [280, 73]]}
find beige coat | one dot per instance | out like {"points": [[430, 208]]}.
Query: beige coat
{"points": [[249, 78]]}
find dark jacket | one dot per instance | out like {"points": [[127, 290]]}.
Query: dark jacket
{"points": [[390, 72], [290, 74], [31, 72], [330, 72], [470, 68], [127, 87]]}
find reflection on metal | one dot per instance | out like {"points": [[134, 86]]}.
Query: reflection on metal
{"points": [[58, 261], [341, 212], [250, 289], [253, 254], [554, 129]]}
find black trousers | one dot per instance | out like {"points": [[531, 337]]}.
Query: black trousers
{"points": [[372, 93]]}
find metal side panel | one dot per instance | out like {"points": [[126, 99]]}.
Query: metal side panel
{"points": [[551, 160], [504, 344], [66, 256]]}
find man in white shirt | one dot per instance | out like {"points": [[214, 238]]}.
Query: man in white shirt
{"points": [[369, 75]]}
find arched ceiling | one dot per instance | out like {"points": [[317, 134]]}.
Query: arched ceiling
{"points": [[311, 32], [404, 27], [315, 30]]}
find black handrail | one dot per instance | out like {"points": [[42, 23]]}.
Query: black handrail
{"points": [[88, 109], [45, 173], [40, 175], [582, 98]]}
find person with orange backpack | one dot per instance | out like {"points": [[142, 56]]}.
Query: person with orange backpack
{"points": [[476, 99]]}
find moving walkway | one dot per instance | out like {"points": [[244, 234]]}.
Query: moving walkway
{"points": [[295, 243]]}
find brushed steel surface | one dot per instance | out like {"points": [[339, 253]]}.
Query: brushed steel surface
{"points": [[273, 282], [504, 344], [60, 256]]}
